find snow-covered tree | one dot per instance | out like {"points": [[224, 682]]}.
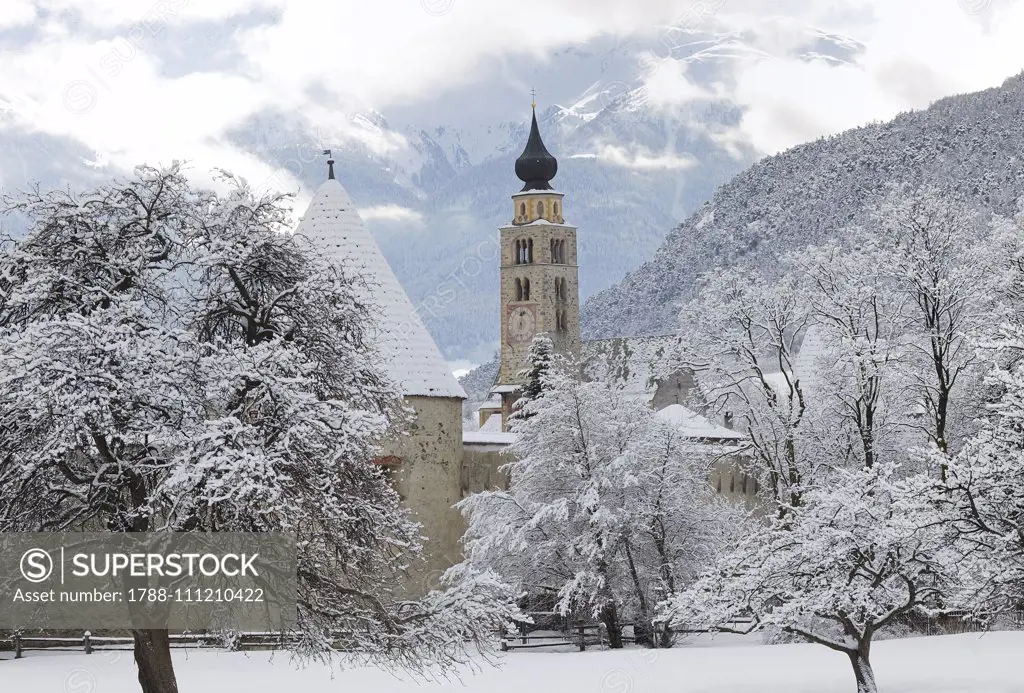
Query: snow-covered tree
{"points": [[740, 337], [860, 552], [607, 507], [175, 360], [985, 491], [948, 265], [542, 350], [853, 351]]}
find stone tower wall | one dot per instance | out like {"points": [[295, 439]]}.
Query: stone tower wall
{"points": [[429, 480]]}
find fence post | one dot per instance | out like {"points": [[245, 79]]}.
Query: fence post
{"points": [[522, 632], [87, 641], [17, 646], [583, 638]]}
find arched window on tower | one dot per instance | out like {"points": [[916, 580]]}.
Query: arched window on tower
{"points": [[519, 256], [519, 290], [526, 290], [522, 209], [555, 210], [529, 251], [540, 208]]}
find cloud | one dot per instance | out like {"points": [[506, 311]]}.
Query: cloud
{"points": [[641, 159], [391, 212], [17, 13], [97, 71], [907, 59]]}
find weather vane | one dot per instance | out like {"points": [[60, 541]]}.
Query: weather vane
{"points": [[330, 164], [533, 94]]}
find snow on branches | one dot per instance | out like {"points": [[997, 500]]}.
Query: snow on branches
{"points": [[175, 360], [859, 553], [608, 508]]}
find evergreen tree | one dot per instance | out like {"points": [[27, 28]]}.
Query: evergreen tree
{"points": [[542, 351]]}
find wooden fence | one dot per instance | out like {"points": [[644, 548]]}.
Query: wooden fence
{"points": [[89, 643], [576, 634]]}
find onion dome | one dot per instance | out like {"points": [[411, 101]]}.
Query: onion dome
{"points": [[535, 166]]}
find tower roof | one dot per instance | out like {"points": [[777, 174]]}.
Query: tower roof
{"points": [[410, 355], [535, 166]]}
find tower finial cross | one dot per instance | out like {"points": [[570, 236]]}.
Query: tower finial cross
{"points": [[533, 94]]}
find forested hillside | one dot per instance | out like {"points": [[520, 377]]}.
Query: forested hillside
{"points": [[970, 145]]}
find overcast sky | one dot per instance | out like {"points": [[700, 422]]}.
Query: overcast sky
{"points": [[135, 80]]}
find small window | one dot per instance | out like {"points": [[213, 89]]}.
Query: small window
{"points": [[540, 208], [526, 290], [519, 290], [522, 209], [529, 251], [556, 209]]}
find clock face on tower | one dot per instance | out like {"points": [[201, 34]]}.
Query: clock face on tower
{"points": [[522, 324]]}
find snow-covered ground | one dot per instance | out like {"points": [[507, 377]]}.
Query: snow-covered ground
{"points": [[988, 663]]}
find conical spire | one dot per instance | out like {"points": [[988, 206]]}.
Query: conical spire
{"points": [[409, 354], [535, 166]]}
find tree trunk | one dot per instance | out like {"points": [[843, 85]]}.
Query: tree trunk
{"points": [[153, 658], [609, 616], [863, 672], [665, 636], [642, 627]]}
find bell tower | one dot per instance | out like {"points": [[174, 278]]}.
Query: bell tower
{"points": [[539, 274]]}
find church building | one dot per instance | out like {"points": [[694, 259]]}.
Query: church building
{"points": [[432, 462]]}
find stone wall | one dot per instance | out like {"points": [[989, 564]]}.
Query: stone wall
{"points": [[481, 469], [429, 480]]}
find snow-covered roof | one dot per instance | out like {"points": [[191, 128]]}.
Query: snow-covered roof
{"points": [[499, 389], [693, 425], [487, 438], [633, 365], [411, 357]]}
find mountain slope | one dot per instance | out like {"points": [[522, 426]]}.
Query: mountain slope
{"points": [[970, 145]]}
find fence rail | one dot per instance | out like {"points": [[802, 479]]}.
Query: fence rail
{"points": [[88, 643]]}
